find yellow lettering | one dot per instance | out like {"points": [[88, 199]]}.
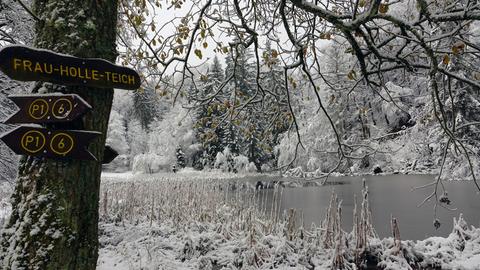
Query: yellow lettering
{"points": [[16, 63], [38, 68], [28, 140], [63, 71], [80, 73], [73, 72], [35, 108], [108, 75], [131, 79], [45, 68], [124, 78], [27, 64], [115, 77], [86, 74], [95, 75]]}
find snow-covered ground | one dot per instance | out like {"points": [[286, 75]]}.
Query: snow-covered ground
{"points": [[5, 206], [193, 220], [205, 246], [186, 173], [196, 220]]}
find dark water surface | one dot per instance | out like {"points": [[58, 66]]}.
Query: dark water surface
{"points": [[388, 195]]}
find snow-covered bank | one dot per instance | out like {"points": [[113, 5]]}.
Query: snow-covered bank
{"points": [[298, 172], [179, 223], [205, 246], [197, 221], [186, 173]]}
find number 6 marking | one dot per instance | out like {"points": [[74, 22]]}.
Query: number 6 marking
{"points": [[62, 112], [63, 146]]}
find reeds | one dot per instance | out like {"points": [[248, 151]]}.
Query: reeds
{"points": [[235, 210]]}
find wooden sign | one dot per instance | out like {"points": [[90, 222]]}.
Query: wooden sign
{"points": [[51, 108], [27, 64], [109, 154], [59, 144]]}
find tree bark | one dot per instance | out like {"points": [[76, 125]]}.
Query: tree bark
{"points": [[54, 222]]}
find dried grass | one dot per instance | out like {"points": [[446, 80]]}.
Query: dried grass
{"points": [[235, 210]]}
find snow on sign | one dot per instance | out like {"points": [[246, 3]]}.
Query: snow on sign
{"points": [[51, 108], [59, 144], [27, 64]]}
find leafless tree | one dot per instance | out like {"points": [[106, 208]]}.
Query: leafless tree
{"points": [[388, 38]]}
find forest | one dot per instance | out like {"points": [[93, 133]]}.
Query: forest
{"points": [[235, 109], [345, 125]]}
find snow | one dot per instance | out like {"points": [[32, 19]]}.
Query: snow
{"points": [[150, 163], [5, 210], [195, 224], [201, 246], [190, 220], [471, 263], [5, 206], [187, 221], [112, 175], [187, 173], [109, 260]]}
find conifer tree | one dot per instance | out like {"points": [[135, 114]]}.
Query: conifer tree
{"points": [[243, 123], [243, 70], [209, 130], [145, 106], [275, 107]]}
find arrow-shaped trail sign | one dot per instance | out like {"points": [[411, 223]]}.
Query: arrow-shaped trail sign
{"points": [[59, 144], [28, 64], [52, 108], [109, 154]]}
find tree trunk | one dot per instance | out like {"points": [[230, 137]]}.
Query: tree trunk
{"points": [[54, 223]]}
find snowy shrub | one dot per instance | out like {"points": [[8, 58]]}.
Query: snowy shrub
{"points": [[319, 141], [354, 168], [286, 150], [194, 147], [397, 118], [224, 160], [265, 168], [295, 172], [150, 163], [173, 130], [220, 161], [116, 134], [240, 163], [313, 164], [137, 139], [251, 167], [318, 173], [120, 164]]}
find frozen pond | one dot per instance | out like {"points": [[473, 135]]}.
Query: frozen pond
{"points": [[388, 195]]}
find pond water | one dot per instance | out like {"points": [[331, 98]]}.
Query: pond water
{"points": [[389, 195]]}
